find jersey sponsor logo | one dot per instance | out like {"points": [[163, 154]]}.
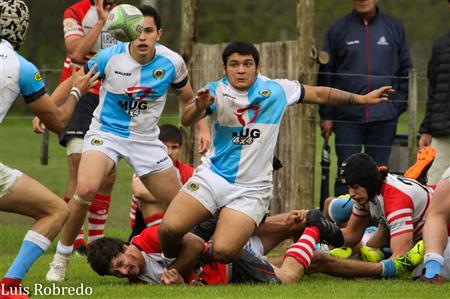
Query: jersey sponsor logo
{"points": [[191, 186], [265, 93], [382, 41], [96, 142], [352, 42], [158, 73], [107, 40], [162, 160], [122, 73], [134, 106], [37, 76], [228, 95], [240, 114], [246, 136]]}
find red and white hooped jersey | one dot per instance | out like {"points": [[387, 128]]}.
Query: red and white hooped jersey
{"points": [[401, 206], [79, 19], [155, 263]]}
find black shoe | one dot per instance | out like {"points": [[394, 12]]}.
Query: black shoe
{"points": [[329, 232]]}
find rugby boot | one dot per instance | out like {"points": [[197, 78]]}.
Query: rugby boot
{"points": [[329, 231], [409, 260], [58, 268], [424, 160]]}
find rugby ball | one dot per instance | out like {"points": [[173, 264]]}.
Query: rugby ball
{"points": [[125, 22]]}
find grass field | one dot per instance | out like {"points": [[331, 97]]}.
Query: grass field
{"points": [[19, 148]]}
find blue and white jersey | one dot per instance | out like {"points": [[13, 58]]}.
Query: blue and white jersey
{"points": [[132, 95], [245, 128], [17, 75]]}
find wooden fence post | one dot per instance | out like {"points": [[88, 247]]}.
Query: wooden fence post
{"points": [[412, 115]]}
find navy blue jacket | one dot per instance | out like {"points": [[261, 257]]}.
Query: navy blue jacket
{"points": [[371, 56]]}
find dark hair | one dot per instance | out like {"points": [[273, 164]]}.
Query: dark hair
{"points": [[102, 251], [243, 48], [170, 133], [149, 11], [361, 169]]}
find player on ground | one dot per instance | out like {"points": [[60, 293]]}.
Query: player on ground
{"points": [[436, 234], [84, 35], [142, 261], [20, 193], [234, 182], [135, 79]]}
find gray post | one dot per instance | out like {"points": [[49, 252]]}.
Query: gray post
{"points": [[412, 115]]}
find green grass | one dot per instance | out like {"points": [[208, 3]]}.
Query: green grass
{"points": [[19, 148]]}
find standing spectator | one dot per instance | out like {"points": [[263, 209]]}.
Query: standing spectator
{"points": [[435, 127], [367, 50], [84, 35]]}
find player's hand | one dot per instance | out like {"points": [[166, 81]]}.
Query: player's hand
{"points": [[326, 128], [171, 276], [103, 10], [297, 216], [424, 140], [203, 99], [377, 96], [203, 140], [84, 82], [38, 126]]}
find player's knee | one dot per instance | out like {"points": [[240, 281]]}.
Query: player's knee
{"points": [[224, 253], [169, 231], [86, 192]]}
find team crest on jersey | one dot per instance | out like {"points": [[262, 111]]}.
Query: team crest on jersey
{"points": [[158, 73], [191, 186], [240, 114], [37, 76], [265, 93], [96, 142]]}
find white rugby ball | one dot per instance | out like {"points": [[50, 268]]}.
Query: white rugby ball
{"points": [[125, 22]]}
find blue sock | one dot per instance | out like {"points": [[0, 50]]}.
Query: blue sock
{"points": [[432, 268], [28, 253], [33, 246], [388, 268]]}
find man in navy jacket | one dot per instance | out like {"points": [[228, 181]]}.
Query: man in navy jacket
{"points": [[367, 50]]}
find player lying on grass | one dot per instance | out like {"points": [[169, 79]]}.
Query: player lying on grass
{"points": [[142, 261]]}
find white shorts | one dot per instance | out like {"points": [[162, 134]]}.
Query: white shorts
{"points": [[8, 178], [146, 157], [214, 193], [445, 269]]}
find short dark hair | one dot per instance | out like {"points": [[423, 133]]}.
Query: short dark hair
{"points": [[150, 11], [170, 133], [102, 251], [243, 48]]}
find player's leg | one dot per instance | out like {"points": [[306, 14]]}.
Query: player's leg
{"points": [[180, 217], [233, 230], [89, 180], [378, 140], [25, 196], [280, 227], [441, 161], [435, 232], [163, 185]]}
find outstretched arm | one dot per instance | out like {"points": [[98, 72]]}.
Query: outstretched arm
{"points": [[332, 96], [196, 109]]}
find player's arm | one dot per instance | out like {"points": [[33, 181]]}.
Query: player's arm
{"points": [[56, 113], [189, 256], [332, 96], [354, 230], [401, 244], [195, 108], [78, 47], [380, 238]]}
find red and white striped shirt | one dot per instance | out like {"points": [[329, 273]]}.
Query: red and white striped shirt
{"points": [[78, 21], [400, 207]]}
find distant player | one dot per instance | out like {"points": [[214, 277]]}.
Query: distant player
{"points": [[20, 193], [135, 77]]}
